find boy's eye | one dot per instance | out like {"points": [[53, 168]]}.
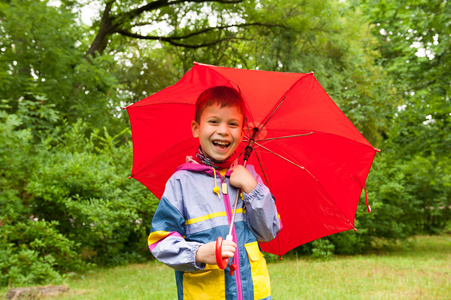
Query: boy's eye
{"points": [[212, 121]]}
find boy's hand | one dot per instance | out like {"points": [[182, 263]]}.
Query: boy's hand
{"points": [[206, 253], [243, 179]]}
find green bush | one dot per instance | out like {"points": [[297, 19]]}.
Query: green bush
{"points": [[322, 249], [34, 252], [84, 186], [66, 199]]}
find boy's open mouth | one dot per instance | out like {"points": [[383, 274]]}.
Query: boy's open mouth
{"points": [[221, 144]]}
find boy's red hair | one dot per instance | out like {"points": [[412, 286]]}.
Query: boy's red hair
{"points": [[221, 95]]}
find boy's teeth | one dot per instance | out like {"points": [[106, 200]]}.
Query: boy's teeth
{"points": [[224, 144]]}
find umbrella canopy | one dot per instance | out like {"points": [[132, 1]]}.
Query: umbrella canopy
{"points": [[307, 152]]}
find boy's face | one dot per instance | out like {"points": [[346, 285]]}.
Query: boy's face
{"points": [[220, 130]]}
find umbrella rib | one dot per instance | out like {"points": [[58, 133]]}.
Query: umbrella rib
{"points": [[286, 159], [273, 112], [280, 156], [304, 168], [258, 159], [322, 132], [285, 137], [261, 167]]}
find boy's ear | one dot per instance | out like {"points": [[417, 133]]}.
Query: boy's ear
{"points": [[195, 129]]}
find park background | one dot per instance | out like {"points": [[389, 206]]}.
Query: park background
{"points": [[67, 206]]}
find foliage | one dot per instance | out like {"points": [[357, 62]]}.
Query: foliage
{"points": [[41, 55], [34, 252], [65, 198], [406, 197], [183, 23], [322, 249], [415, 37], [84, 187]]}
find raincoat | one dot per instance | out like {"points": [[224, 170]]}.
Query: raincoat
{"points": [[191, 214]]}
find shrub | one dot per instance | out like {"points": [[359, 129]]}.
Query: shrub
{"points": [[322, 249], [84, 186], [34, 252], [64, 196]]}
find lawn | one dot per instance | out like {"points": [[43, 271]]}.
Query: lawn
{"points": [[420, 270]]}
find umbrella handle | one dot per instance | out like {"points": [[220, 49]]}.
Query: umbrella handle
{"points": [[220, 261]]}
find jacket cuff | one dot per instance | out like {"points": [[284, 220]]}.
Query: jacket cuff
{"points": [[196, 265], [256, 193]]}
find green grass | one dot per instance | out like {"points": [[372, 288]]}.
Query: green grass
{"points": [[420, 271]]}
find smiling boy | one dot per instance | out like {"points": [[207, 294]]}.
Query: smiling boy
{"points": [[194, 210]]}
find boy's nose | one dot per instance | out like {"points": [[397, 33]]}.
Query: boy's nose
{"points": [[223, 129]]}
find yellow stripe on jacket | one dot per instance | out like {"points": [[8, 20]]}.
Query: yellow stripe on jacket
{"points": [[211, 216]]}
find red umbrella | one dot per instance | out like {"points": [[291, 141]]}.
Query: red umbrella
{"points": [[308, 153]]}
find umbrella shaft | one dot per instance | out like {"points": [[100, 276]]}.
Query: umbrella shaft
{"points": [[234, 205]]}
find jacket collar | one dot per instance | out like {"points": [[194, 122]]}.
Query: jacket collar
{"points": [[196, 167]]}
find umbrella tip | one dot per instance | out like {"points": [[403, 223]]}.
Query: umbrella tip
{"points": [[377, 150]]}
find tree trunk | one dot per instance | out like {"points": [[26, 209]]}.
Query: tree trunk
{"points": [[106, 28]]}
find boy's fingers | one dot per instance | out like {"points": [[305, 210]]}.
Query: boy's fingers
{"points": [[226, 253], [228, 250], [229, 243]]}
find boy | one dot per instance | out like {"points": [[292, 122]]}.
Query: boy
{"points": [[195, 209]]}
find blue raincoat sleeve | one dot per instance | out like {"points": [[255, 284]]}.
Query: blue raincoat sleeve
{"points": [[261, 212], [166, 240]]}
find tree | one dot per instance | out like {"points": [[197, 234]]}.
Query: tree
{"points": [[50, 48], [190, 23], [42, 53], [415, 38]]}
